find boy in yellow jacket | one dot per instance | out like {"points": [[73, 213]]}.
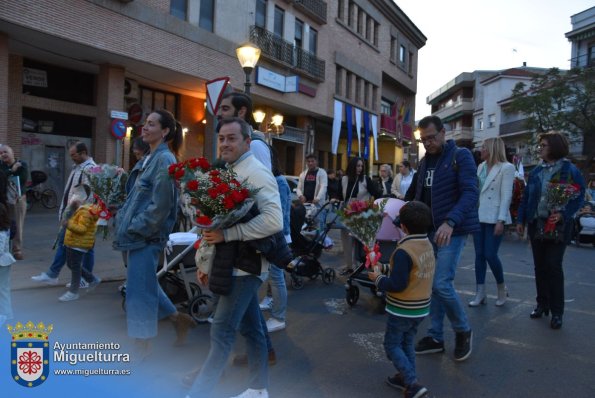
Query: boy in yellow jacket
{"points": [[78, 240]]}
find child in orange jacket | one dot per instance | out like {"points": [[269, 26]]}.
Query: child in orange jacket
{"points": [[78, 240]]}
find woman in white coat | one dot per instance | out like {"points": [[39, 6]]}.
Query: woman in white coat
{"points": [[495, 186]]}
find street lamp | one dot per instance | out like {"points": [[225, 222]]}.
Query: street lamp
{"points": [[248, 55]]}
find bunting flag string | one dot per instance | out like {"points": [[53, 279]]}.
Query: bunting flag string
{"points": [[374, 121], [366, 135], [338, 118], [349, 121], [358, 129]]}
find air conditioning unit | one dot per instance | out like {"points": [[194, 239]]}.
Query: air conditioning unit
{"points": [[131, 89]]}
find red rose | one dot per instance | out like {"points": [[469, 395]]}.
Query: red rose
{"points": [[213, 193], [204, 164], [235, 182], [237, 196], [172, 168], [228, 203], [193, 164], [204, 220], [223, 188], [179, 174], [192, 185], [216, 180], [245, 193], [214, 173]]}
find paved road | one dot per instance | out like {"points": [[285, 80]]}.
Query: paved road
{"points": [[328, 349]]}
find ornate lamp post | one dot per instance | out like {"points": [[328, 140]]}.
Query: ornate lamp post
{"points": [[248, 55]]}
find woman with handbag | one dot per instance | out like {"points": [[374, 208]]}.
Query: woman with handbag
{"points": [[536, 211], [496, 177], [355, 185]]}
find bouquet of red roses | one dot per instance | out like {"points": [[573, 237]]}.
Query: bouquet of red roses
{"points": [[213, 198], [363, 219], [558, 194]]}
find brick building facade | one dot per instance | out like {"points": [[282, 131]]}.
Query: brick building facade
{"points": [[66, 64]]}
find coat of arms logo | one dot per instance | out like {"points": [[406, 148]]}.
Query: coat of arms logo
{"points": [[29, 353]]}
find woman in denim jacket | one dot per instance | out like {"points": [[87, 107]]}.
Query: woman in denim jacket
{"points": [[144, 224], [548, 254]]}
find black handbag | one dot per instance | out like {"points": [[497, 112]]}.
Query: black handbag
{"points": [[555, 236]]}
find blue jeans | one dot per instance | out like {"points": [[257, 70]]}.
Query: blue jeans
{"points": [[399, 345], [146, 302], [237, 311], [486, 250], [445, 301], [278, 292], [5, 301], [60, 258], [74, 262]]}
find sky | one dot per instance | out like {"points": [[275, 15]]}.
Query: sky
{"points": [[468, 35]]}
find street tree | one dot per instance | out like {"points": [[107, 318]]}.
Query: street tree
{"points": [[563, 101]]}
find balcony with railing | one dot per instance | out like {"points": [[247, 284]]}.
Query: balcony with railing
{"points": [[516, 127], [459, 107], [463, 133], [285, 53], [316, 9], [292, 134], [390, 126]]}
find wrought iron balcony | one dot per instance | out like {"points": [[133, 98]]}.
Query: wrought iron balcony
{"points": [[281, 51], [518, 126]]}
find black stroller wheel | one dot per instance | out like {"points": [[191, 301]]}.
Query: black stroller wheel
{"points": [[328, 276], [200, 308], [296, 282], [352, 295]]}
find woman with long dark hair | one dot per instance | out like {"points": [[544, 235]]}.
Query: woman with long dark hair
{"points": [[144, 224], [355, 185], [548, 250]]}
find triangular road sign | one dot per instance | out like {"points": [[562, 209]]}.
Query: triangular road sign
{"points": [[215, 90]]}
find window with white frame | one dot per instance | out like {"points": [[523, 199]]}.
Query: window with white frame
{"points": [[492, 120], [479, 123]]}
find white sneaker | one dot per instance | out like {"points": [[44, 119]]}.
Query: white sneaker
{"points": [[266, 304], [251, 393], [93, 284], [274, 325], [43, 277], [69, 296], [83, 284]]}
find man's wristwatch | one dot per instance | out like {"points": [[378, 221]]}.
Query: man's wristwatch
{"points": [[450, 223]]}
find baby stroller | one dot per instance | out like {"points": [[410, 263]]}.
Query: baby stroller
{"points": [[178, 261], [307, 242], [387, 237], [585, 225]]}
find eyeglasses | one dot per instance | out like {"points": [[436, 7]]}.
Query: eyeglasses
{"points": [[429, 137]]}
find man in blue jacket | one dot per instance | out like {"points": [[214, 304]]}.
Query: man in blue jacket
{"points": [[447, 182]]}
